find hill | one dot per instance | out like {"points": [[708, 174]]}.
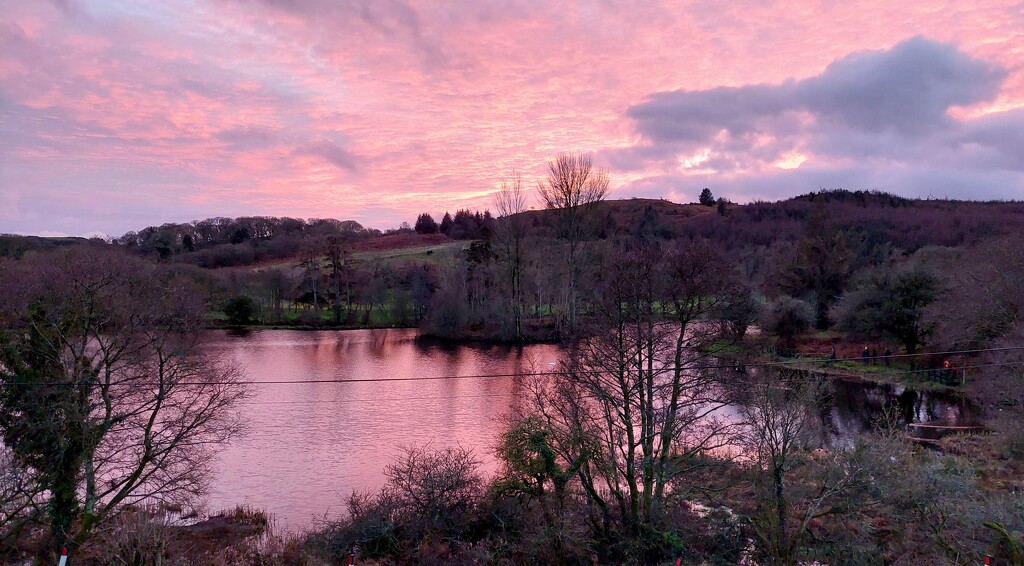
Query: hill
{"points": [[873, 218], [870, 218], [15, 246]]}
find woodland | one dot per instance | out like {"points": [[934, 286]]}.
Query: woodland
{"points": [[666, 313]]}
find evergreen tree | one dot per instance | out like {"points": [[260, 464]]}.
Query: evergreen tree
{"points": [[706, 198], [446, 224], [425, 224]]}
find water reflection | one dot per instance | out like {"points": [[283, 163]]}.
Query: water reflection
{"points": [[855, 407], [312, 443]]}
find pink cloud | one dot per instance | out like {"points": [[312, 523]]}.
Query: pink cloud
{"points": [[328, 108]]}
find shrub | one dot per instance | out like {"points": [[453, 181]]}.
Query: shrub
{"points": [[787, 318], [240, 310]]}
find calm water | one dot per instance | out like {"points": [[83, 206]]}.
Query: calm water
{"points": [[311, 444]]}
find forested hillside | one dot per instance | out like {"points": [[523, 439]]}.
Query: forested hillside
{"points": [[665, 313], [454, 276]]}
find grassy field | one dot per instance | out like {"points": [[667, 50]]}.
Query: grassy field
{"points": [[433, 253], [430, 253]]}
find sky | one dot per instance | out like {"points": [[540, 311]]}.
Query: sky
{"points": [[116, 115]]}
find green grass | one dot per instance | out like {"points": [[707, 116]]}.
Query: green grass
{"points": [[432, 254], [418, 254], [725, 348], [895, 373]]}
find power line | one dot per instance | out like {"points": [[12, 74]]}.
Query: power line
{"points": [[493, 395], [371, 399], [486, 395], [731, 366]]}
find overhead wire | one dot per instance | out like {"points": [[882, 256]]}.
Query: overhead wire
{"points": [[731, 365]]}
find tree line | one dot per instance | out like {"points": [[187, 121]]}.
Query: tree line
{"points": [[465, 225], [228, 242], [643, 445]]}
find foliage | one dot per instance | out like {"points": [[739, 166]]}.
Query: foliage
{"points": [[872, 221], [787, 318], [821, 266], [446, 223], [984, 301], [891, 302], [106, 399], [256, 232], [425, 224], [19, 499], [431, 497], [135, 537], [706, 198], [737, 312], [436, 490], [240, 310]]}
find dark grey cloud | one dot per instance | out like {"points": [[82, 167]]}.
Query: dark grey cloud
{"points": [[996, 140], [690, 116], [886, 111], [64, 5], [909, 88]]}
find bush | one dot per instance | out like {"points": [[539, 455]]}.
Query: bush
{"points": [[427, 506], [240, 310], [436, 489], [787, 318], [136, 537]]}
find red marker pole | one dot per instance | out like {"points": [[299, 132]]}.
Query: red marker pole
{"points": [[988, 560], [351, 559], [679, 562], [63, 557]]}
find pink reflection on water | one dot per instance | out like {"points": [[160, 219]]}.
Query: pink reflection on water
{"points": [[311, 444]]}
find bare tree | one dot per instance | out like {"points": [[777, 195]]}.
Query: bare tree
{"points": [[634, 409], [105, 397], [339, 261], [778, 420], [510, 233], [798, 481], [19, 496], [572, 188], [310, 258], [278, 285]]}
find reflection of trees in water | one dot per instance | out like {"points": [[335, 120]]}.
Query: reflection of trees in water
{"points": [[857, 407], [849, 408]]}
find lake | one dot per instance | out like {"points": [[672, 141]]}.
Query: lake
{"points": [[311, 444]]}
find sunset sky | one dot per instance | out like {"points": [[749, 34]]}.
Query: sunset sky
{"points": [[116, 115]]}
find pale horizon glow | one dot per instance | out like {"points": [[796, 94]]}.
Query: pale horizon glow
{"points": [[122, 114]]}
